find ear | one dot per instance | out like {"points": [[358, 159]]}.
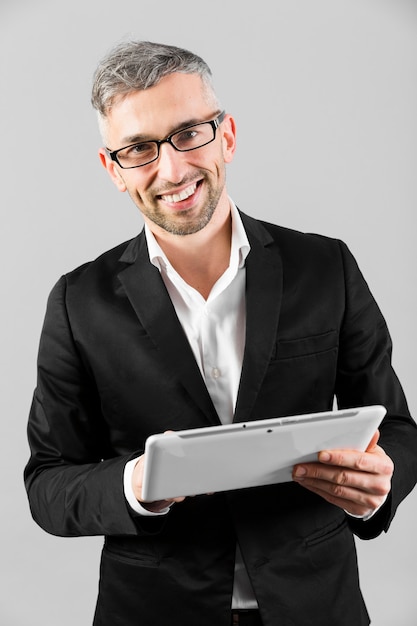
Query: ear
{"points": [[229, 138], [112, 170]]}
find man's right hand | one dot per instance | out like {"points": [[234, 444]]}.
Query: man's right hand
{"points": [[137, 481]]}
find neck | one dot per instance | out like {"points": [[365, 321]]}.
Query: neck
{"points": [[201, 258]]}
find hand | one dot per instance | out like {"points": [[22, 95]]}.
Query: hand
{"points": [[357, 482], [137, 481]]}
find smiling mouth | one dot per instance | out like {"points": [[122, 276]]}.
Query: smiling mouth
{"points": [[179, 197]]}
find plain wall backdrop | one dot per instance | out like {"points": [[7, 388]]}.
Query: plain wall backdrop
{"points": [[324, 93]]}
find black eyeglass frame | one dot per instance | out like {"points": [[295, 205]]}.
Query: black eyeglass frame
{"points": [[214, 124]]}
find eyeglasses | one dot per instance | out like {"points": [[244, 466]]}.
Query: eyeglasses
{"points": [[189, 138]]}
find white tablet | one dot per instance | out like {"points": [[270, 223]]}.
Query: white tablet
{"points": [[262, 452]]}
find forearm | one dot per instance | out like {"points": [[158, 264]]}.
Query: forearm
{"points": [[74, 500]]}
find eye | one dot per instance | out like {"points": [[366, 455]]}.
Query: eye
{"points": [[139, 149], [186, 136]]}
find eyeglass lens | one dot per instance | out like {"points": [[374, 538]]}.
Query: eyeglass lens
{"points": [[184, 140]]}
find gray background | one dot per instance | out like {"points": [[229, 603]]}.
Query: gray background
{"points": [[324, 94]]}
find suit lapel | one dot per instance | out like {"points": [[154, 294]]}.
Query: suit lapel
{"points": [[152, 304], [150, 300], [263, 303]]}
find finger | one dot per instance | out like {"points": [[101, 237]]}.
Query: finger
{"points": [[342, 480], [356, 493], [354, 502], [374, 461]]}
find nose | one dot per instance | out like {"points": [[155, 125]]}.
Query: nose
{"points": [[171, 163]]}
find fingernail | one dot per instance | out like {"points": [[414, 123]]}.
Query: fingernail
{"points": [[324, 456], [300, 472]]}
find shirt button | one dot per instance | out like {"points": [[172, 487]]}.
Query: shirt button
{"points": [[215, 372]]}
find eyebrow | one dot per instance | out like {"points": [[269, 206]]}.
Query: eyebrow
{"points": [[132, 139]]}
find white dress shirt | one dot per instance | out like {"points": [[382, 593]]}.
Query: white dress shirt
{"points": [[215, 329]]}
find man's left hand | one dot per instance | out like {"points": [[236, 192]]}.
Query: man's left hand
{"points": [[357, 482]]}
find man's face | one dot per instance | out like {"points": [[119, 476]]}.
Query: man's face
{"points": [[180, 191]]}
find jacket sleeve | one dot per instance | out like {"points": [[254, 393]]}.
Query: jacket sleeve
{"points": [[365, 377], [73, 480]]}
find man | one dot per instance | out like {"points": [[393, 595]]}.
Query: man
{"points": [[208, 316]]}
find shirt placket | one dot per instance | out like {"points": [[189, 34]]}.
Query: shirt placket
{"points": [[215, 369]]}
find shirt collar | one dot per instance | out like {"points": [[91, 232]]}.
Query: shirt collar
{"points": [[239, 249]]}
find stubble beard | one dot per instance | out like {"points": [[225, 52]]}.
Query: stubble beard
{"points": [[182, 224]]}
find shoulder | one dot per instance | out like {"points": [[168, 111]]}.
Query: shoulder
{"points": [[294, 243], [310, 257], [100, 275], [108, 262]]}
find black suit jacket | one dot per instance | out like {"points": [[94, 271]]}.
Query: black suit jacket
{"points": [[115, 367]]}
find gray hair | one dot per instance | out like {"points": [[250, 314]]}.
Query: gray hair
{"points": [[138, 65]]}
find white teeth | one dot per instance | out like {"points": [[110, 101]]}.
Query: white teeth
{"points": [[177, 197]]}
